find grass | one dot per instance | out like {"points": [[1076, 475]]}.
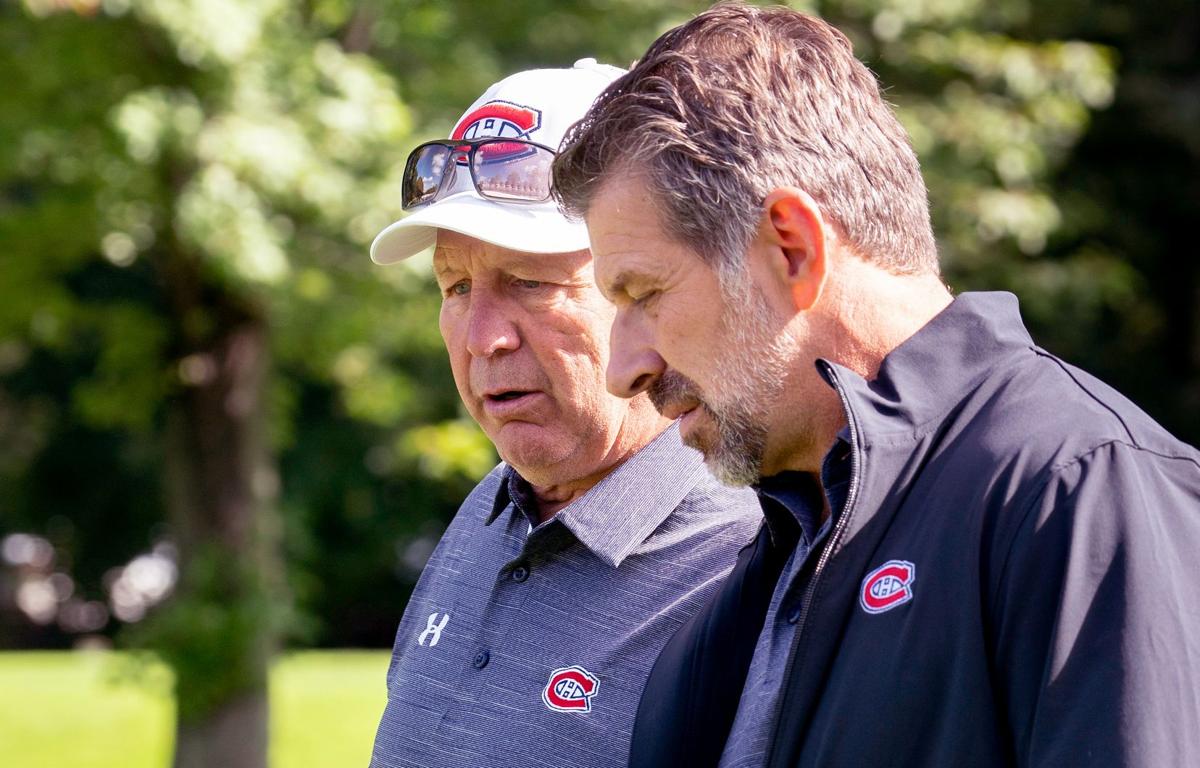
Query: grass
{"points": [[76, 709]]}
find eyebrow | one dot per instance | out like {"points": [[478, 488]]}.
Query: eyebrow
{"points": [[440, 267], [546, 270]]}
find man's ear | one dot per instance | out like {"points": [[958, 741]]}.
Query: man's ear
{"points": [[792, 223]]}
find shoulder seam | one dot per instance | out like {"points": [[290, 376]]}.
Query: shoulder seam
{"points": [[1055, 468], [1062, 366], [936, 421]]}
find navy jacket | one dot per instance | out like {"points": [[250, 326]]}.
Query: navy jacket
{"points": [[1051, 615]]}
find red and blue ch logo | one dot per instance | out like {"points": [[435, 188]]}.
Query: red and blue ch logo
{"points": [[498, 119], [888, 586], [570, 689]]}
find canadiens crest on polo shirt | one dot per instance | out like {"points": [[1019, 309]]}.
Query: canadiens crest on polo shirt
{"points": [[570, 689]]}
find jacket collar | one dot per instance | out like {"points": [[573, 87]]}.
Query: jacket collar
{"points": [[620, 512], [895, 417]]}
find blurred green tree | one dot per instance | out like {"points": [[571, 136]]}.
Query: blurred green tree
{"points": [[1130, 195], [188, 189]]}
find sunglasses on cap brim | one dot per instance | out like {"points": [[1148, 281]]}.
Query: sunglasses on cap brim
{"points": [[507, 170]]}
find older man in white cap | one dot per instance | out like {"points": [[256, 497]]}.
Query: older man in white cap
{"points": [[531, 632]]}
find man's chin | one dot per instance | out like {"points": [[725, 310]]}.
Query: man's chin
{"points": [[729, 470], [698, 430], [527, 447], [731, 466], [735, 474]]}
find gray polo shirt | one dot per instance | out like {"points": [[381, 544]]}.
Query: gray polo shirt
{"points": [[528, 645]]}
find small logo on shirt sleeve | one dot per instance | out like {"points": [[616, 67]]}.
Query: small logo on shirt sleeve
{"points": [[570, 690], [888, 586]]}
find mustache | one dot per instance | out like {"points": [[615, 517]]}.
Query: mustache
{"points": [[673, 388], [485, 377]]}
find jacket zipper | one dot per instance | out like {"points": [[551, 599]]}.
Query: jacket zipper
{"points": [[826, 551]]}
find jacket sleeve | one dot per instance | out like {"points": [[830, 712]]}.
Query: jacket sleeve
{"points": [[1095, 620]]}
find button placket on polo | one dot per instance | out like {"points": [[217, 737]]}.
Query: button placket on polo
{"points": [[496, 625], [500, 629]]}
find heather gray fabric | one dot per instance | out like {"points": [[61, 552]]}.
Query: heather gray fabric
{"points": [[598, 588]]}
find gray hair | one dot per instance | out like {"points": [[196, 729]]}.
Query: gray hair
{"points": [[740, 101]]}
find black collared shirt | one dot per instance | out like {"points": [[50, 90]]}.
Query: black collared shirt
{"points": [[787, 496]]}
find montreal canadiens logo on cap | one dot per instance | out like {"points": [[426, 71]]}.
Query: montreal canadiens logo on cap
{"points": [[888, 586], [570, 690], [499, 119]]}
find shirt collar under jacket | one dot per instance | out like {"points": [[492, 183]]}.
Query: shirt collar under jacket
{"points": [[791, 499], [601, 518]]}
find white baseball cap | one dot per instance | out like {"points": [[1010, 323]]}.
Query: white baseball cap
{"points": [[538, 105]]}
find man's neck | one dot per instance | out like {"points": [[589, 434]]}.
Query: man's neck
{"points": [[868, 314], [641, 427], [877, 312], [552, 498]]}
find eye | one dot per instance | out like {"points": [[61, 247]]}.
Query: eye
{"points": [[645, 297], [529, 284], [461, 288]]}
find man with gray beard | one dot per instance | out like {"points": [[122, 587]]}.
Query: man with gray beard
{"points": [[974, 553]]}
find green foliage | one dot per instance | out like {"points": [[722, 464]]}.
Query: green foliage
{"points": [[991, 113], [261, 154], [161, 161], [452, 449], [131, 344]]}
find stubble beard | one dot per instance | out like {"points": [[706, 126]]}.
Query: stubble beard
{"points": [[752, 374]]}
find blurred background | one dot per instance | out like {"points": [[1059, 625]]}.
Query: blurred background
{"points": [[226, 436]]}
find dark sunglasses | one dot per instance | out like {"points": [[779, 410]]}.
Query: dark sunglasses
{"points": [[511, 170]]}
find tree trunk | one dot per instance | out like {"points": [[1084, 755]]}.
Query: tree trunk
{"points": [[234, 736], [222, 487]]}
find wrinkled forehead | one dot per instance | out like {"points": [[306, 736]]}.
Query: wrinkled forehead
{"points": [[461, 253]]}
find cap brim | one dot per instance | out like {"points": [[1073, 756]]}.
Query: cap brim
{"points": [[533, 228]]}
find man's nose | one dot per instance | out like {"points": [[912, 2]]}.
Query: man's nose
{"points": [[489, 328], [633, 364]]}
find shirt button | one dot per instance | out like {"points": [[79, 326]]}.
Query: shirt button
{"points": [[793, 615], [481, 659], [520, 573]]}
